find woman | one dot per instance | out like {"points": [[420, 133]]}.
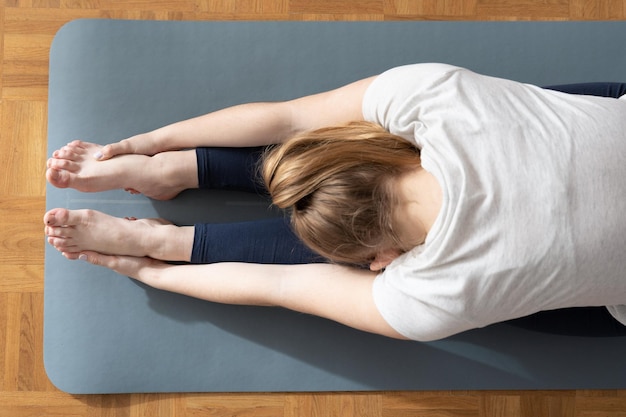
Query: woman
{"points": [[500, 200]]}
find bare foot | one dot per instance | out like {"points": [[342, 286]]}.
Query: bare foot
{"points": [[74, 231], [160, 177]]}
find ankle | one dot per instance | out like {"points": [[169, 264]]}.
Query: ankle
{"points": [[170, 243], [177, 169]]}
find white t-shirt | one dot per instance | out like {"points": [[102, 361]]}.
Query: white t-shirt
{"points": [[534, 200]]}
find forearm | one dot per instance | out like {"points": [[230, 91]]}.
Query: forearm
{"points": [[228, 283], [252, 124], [334, 292]]}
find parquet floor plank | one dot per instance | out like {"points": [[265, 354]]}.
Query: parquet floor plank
{"points": [[23, 155]]}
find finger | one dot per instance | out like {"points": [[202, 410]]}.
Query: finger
{"points": [[129, 266], [113, 149], [95, 258]]}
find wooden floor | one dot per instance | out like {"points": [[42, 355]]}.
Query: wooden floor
{"points": [[28, 27]]}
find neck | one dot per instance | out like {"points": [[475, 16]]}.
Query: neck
{"points": [[419, 202]]}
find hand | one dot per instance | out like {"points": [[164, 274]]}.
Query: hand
{"points": [[142, 269], [143, 144]]}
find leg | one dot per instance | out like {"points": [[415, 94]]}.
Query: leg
{"points": [[230, 168], [268, 241], [161, 176], [614, 90], [579, 321], [74, 231]]}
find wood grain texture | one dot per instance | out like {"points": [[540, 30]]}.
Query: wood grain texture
{"points": [[28, 27]]}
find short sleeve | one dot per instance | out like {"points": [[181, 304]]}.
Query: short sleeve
{"points": [[395, 98], [414, 317]]}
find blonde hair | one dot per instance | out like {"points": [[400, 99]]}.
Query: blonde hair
{"points": [[337, 184]]}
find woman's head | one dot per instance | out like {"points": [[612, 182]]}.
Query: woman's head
{"points": [[338, 184]]}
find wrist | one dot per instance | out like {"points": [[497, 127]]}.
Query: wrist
{"points": [[151, 273], [149, 143], [162, 139]]}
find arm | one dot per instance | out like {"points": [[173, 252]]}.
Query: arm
{"points": [[334, 292], [252, 124]]}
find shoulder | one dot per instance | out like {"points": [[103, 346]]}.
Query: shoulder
{"points": [[420, 74], [397, 98], [425, 68]]}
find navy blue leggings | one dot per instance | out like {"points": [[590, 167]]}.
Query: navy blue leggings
{"points": [[615, 90], [272, 241], [269, 241]]}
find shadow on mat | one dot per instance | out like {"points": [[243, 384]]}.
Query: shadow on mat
{"points": [[501, 356]]}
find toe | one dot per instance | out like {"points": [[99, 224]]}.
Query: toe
{"points": [[79, 146], [49, 218], [81, 218], [57, 217], [61, 217], [58, 178], [62, 232], [62, 245], [77, 142], [64, 164], [65, 152], [71, 255]]}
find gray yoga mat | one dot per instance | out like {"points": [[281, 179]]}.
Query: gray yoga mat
{"points": [[106, 333]]}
